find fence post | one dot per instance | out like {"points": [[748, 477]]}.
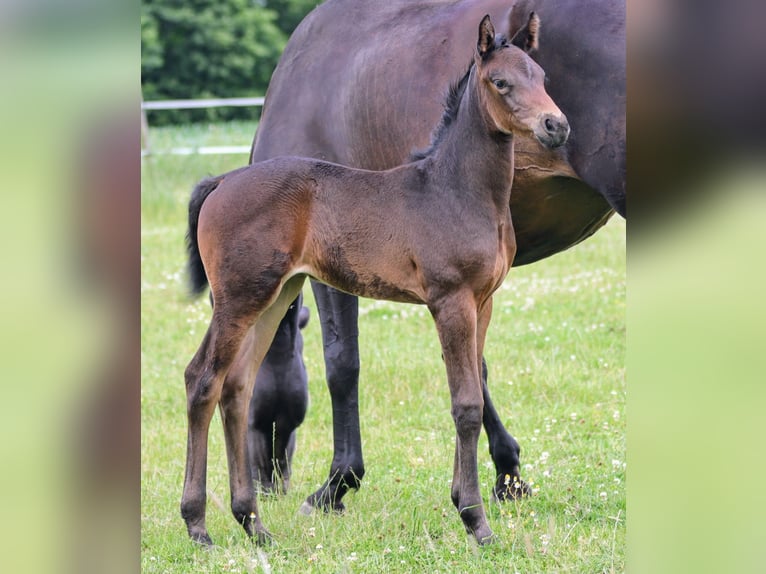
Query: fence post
{"points": [[145, 147]]}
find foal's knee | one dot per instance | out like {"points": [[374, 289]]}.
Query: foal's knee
{"points": [[193, 513], [468, 418]]}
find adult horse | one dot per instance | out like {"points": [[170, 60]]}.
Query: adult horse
{"points": [[256, 233], [372, 99]]}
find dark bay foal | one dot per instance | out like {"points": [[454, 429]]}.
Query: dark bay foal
{"points": [[436, 231]]}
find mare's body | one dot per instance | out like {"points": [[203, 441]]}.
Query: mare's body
{"points": [[371, 100]]}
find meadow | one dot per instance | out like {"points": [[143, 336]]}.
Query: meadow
{"points": [[556, 355]]}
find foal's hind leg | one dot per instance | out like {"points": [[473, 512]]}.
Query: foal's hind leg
{"points": [[235, 399], [204, 381]]}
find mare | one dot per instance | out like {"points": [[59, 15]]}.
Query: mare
{"points": [[256, 233], [369, 107]]}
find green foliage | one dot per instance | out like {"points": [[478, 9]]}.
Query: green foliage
{"points": [[212, 48], [290, 12]]}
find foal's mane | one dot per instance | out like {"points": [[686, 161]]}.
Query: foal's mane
{"points": [[451, 106]]}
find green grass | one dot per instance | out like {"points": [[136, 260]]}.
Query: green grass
{"points": [[197, 135], [555, 350]]}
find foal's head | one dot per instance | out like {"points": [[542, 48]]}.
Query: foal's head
{"points": [[511, 85]]}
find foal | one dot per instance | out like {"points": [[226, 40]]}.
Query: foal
{"points": [[436, 232]]}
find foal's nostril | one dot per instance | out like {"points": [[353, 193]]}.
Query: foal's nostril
{"points": [[555, 130]]}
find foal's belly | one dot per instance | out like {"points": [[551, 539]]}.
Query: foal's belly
{"points": [[395, 280]]}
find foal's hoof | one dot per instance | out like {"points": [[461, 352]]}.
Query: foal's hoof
{"points": [[486, 540], [510, 487], [262, 537], [201, 538], [255, 529], [484, 536]]}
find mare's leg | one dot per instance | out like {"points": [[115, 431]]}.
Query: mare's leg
{"points": [[338, 313], [503, 449], [456, 322], [204, 381], [279, 402], [235, 400]]}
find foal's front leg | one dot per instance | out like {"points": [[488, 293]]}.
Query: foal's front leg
{"points": [[456, 323]]}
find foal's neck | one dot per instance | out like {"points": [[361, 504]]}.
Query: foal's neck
{"points": [[477, 161]]}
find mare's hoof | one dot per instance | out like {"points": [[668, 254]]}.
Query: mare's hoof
{"points": [[338, 508], [510, 488], [307, 508]]}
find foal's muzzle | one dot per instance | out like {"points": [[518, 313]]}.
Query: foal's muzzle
{"points": [[553, 130]]}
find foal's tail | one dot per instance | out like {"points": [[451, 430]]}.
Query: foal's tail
{"points": [[197, 275]]}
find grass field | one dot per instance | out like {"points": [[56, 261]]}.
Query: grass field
{"points": [[555, 351]]}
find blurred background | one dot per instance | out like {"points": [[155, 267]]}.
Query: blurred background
{"points": [[73, 77]]}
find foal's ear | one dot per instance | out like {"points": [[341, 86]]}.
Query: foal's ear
{"points": [[527, 37], [486, 42]]}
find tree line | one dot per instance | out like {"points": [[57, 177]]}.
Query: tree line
{"points": [[212, 48]]}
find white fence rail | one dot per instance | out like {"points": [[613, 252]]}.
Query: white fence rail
{"points": [[193, 104], [188, 105]]}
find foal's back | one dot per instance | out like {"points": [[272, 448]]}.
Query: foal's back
{"points": [[301, 215]]}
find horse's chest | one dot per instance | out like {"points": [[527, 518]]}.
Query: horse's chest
{"points": [[480, 262]]}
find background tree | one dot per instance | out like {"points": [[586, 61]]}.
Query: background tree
{"points": [[290, 12], [212, 48]]}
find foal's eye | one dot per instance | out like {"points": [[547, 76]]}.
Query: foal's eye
{"points": [[500, 84]]}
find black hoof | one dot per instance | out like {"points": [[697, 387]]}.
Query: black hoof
{"points": [[308, 508], [337, 508], [201, 538], [263, 537], [510, 487], [485, 538]]}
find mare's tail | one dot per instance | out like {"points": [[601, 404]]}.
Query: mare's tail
{"points": [[197, 275]]}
